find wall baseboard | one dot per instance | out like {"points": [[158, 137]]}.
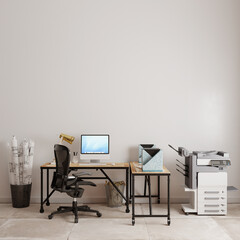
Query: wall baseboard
{"points": [[103, 200]]}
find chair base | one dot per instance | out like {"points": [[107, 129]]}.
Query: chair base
{"points": [[74, 209]]}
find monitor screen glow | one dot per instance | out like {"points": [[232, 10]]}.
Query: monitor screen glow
{"points": [[95, 144]]}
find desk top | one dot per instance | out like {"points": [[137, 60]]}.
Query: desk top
{"points": [[91, 165], [138, 171]]}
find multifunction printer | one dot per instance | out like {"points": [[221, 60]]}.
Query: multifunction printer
{"points": [[205, 175]]}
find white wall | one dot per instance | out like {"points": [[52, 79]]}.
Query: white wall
{"points": [[142, 71]]}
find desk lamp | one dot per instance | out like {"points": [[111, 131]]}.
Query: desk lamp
{"points": [[66, 138]]}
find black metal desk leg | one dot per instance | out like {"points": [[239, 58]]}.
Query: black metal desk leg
{"points": [[48, 203], [127, 196], [41, 207], [158, 189], [130, 186], [149, 195], [168, 221], [133, 201], [145, 185], [114, 185]]}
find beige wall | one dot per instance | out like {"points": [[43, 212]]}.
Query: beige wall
{"points": [[143, 71]]}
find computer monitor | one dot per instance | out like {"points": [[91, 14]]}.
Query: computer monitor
{"points": [[95, 147]]}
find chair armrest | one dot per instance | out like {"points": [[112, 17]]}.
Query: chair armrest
{"points": [[81, 174], [71, 182], [87, 183]]}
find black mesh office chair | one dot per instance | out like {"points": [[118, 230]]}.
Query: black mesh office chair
{"points": [[69, 184]]}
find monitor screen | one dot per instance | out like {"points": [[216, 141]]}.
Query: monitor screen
{"points": [[94, 144]]}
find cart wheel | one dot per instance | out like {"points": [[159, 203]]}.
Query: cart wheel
{"points": [[168, 222], [99, 214], [127, 210], [133, 222], [50, 216], [75, 220], [48, 203], [41, 210]]}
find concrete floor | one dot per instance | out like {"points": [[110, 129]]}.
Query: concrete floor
{"points": [[28, 223]]}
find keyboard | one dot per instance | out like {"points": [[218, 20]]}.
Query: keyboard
{"points": [[92, 164]]}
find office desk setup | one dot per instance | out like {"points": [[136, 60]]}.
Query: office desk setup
{"points": [[75, 166], [151, 165], [135, 171]]}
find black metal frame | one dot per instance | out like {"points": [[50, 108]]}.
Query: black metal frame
{"points": [[101, 168], [145, 189], [149, 196]]}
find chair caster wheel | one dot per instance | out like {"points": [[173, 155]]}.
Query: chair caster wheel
{"points": [[50, 216], [75, 220], [133, 222], [99, 214], [169, 222], [127, 211], [48, 203], [41, 211]]}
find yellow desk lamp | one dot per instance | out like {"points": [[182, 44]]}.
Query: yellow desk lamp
{"points": [[66, 138]]}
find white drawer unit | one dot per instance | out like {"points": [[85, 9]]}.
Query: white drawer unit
{"points": [[212, 193]]}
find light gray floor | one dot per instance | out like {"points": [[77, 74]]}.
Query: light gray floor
{"points": [[115, 224]]}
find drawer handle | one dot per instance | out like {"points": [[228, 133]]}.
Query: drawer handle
{"points": [[213, 198], [211, 211], [211, 205], [214, 192]]}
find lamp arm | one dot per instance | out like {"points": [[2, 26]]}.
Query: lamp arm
{"points": [[61, 141]]}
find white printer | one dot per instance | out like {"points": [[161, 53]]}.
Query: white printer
{"points": [[205, 175]]}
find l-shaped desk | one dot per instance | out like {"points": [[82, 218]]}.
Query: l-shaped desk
{"points": [[116, 166], [75, 166]]}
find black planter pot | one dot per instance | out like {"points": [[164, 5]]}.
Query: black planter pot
{"points": [[21, 195]]}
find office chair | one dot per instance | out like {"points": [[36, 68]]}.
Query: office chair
{"points": [[69, 184]]}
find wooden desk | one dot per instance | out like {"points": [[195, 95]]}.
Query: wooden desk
{"points": [[135, 171], [74, 166]]}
